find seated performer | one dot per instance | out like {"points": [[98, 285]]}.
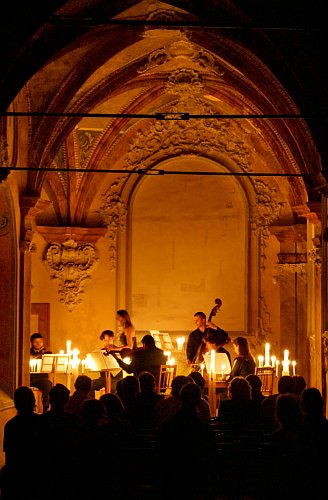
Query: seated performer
{"points": [[40, 380], [107, 336], [148, 358]]}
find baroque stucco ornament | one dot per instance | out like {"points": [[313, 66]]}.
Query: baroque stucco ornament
{"points": [[113, 212], [71, 264]]}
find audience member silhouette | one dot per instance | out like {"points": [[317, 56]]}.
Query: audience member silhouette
{"points": [[285, 386], [203, 408], [168, 407], [184, 440], [299, 384], [100, 450], [127, 388], [237, 411], [82, 387], [144, 406], [120, 428], [316, 431], [288, 451], [256, 395], [21, 445], [59, 433]]}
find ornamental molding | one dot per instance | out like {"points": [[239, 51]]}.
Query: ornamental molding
{"points": [[288, 268], [170, 138], [70, 264], [4, 225], [113, 213], [263, 213], [325, 349], [182, 53], [264, 329], [3, 151]]}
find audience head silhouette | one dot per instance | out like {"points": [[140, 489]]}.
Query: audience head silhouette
{"points": [[239, 389], [147, 382], [177, 383], [299, 384], [58, 397], [83, 383], [190, 396], [24, 400], [112, 404], [92, 412], [255, 382], [286, 385], [288, 411], [198, 378], [312, 402]]}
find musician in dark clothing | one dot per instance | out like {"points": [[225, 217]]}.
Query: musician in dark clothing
{"points": [[107, 336], [196, 341], [40, 380], [147, 358]]}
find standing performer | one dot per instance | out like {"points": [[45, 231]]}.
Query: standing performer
{"points": [[128, 336]]}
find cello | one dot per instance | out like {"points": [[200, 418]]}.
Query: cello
{"points": [[201, 348]]}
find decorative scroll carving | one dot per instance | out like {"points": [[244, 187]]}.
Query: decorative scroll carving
{"points": [[264, 330], [60, 163], [312, 349], [4, 225], [166, 138], [287, 268], [183, 53], [186, 83], [113, 211], [325, 349], [3, 152], [71, 264], [267, 209], [85, 140]]}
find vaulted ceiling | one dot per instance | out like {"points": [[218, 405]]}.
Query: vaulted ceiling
{"points": [[104, 89]]}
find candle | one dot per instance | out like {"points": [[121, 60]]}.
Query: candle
{"points": [[202, 366], [171, 361], [285, 363], [168, 354], [83, 365], [222, 369], [180, 342], [260, 359], [294, 367], [68, 347], [212, 385], [273, 361], [277, 367], [212, 363], [267, 354], [33, 365]]}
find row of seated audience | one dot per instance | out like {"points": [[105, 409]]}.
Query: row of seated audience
{"points": [[136, 444]]}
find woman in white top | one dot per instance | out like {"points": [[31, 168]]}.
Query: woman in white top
{"points": [[128, 335]]}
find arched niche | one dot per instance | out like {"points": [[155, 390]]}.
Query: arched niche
{"points": [[188, 243]]}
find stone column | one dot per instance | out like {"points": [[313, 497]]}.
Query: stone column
{"points": [[291, 269], [29, 206]]}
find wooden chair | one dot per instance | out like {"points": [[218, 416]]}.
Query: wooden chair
{"points": [[166, 375], [266, 375]]}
